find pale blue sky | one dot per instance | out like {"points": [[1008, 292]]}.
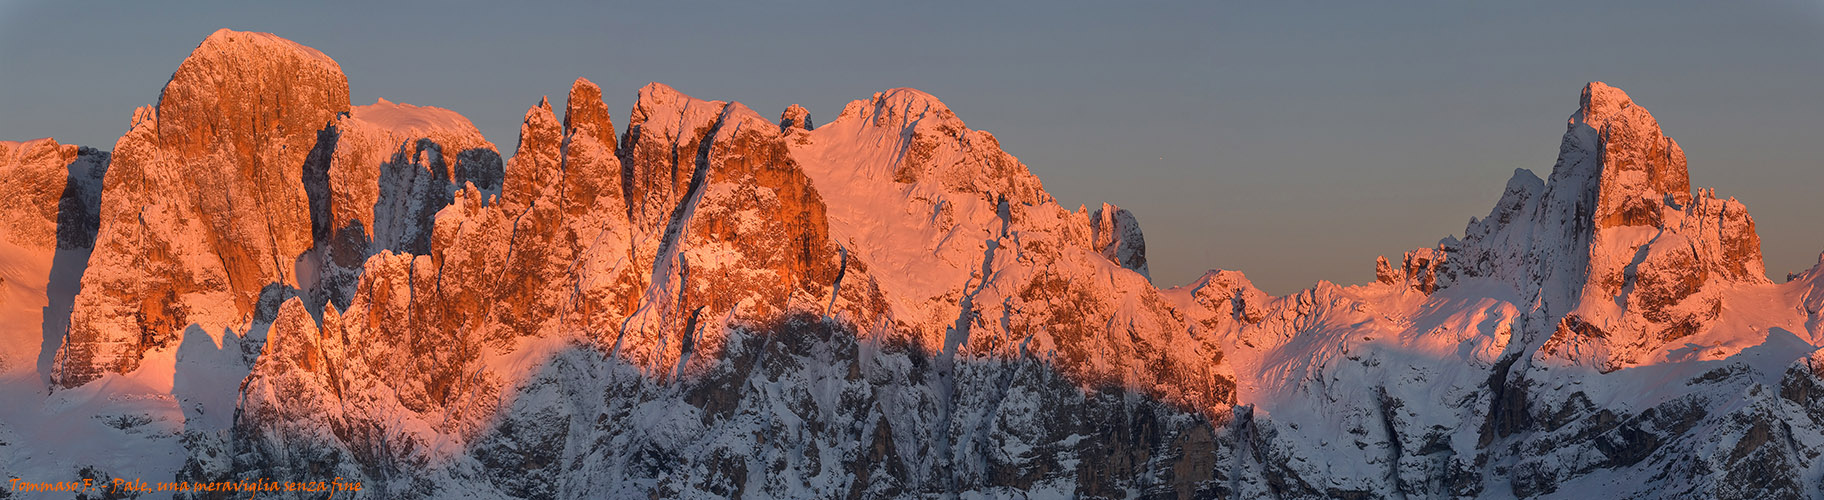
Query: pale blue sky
{"points": [[1293, 141]]}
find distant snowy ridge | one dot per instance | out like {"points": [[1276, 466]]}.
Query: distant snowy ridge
{"points": [[270, 283]]}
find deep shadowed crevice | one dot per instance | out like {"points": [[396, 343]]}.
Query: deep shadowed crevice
{"points": [[316, 182], [312, 268], [625, 153], [1507, 412], [414, 185], [78, 222], [687, 203], [79, 209]]}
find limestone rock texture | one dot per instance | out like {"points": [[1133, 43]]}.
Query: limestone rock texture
{"points": [[35, 176], [204, 205], [264, 281]]}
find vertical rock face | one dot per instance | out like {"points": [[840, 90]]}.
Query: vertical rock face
{"points": [[1117, 234], [721, 305], [606, 282], [536, 168], [1417, 271], [376, 181], [662, 151], [584, 113], [1643, 183], [1642, 169], [395, 165], [205, 204]]}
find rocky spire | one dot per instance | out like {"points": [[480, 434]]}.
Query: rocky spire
{"points": [[795, 117], [1116, 233], [590, 168], [665, 139], [585, 112], [1642, 169], [536, 166], [1616, 243]]}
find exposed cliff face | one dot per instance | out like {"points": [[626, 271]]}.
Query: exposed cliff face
{"points": [[714, 304], [377, 179], [34, 178], [205, 204], [52, 193]]}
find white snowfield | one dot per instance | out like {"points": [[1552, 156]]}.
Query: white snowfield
{"points": [[710, 304]]}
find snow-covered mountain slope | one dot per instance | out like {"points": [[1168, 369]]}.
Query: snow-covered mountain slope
{"points": [[709, 303]]}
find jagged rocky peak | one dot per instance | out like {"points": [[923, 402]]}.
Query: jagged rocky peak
{"points": [[659, 102], [1643, 182], [796, 117], [1641, 167], [1616, 244], [590, 166], [536, 167], [893, 294], [665, 134], [1116, 233], [584, 113], [1418, 270], [389, 168], [1228, 294], [395, 164], [1615, 170], [903, 106]]}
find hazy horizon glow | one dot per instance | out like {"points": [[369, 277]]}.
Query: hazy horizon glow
{"points": [[1289, 143]]}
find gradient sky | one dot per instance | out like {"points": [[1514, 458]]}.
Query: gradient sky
{"points": [[1291, 142]]}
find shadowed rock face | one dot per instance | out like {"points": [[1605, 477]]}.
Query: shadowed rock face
{"points": [[795, 117], [889, 305], [1117, 234]]}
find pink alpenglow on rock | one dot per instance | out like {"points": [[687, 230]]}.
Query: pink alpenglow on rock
{"points": [[272, 283]]}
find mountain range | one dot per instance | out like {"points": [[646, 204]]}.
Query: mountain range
{"points": [[262, 281]]}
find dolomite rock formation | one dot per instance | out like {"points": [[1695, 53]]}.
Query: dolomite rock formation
{"points": [[713, 304], [52, 191], [1117, 233], [376, 181], [1616, 242], [796, 117], [204, 205]]}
